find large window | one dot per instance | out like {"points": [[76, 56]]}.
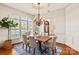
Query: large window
{"points": [[15, 32], [25, 24], [30, 26]]}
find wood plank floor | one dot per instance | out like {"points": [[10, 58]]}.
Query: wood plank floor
{"points": [[65, 50], [7, 52]]}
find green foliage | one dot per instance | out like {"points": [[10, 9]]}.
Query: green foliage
{"points": [[7, 23]]}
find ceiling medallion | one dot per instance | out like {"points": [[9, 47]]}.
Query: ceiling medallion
{"points": [[42, 5]]}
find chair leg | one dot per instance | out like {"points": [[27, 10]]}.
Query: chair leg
{"points": [[26, 47], [34, 51], [46, 49], [29, 49], [55, 50], [23, 46]]}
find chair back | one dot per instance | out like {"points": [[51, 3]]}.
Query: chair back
{"points": [[52, 42], [32, 42], [25, 39]]}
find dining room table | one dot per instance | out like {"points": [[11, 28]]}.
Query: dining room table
{"points": [[41, 39]]}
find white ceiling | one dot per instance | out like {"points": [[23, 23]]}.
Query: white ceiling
{"points": [[28, 7]]}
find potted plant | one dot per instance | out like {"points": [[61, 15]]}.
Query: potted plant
{"points": [[7, 23]]}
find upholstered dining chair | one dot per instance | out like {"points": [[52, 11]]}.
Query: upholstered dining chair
{"points": [[51, 45], [32, 44], [25, 41]]}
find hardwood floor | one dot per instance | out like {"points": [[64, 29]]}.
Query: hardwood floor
{"points": [[7, 52], [65, 50]]}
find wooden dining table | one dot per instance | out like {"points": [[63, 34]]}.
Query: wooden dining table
{"points": [[42, 39]]}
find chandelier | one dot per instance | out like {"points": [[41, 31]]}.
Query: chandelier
{"points": [[38, 18]]}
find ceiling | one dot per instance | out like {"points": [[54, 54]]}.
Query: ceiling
{"points": [[28, 7]]}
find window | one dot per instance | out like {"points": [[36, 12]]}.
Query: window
{"points": [[15, 31], [24, 25], [30, 26]]}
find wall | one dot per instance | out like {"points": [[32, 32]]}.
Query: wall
{"points": [[72, 26], [8, 11], [65, 23], [57, 24], [3, 35]]}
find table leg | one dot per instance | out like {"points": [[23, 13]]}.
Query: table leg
{"points": [[40, 48]]}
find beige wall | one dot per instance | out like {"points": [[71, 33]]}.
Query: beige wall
{"points": [[3, 35], [65, 23], [57, 24], [72, 26]]}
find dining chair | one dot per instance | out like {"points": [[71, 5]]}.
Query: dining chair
{"points": [[33, 44], [51, 45], [25, 41]]}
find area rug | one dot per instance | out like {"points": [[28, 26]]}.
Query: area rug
{"points": [[22, 51]]}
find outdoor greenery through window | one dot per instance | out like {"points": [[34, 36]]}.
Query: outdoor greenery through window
{"points": [[25, 24]]}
